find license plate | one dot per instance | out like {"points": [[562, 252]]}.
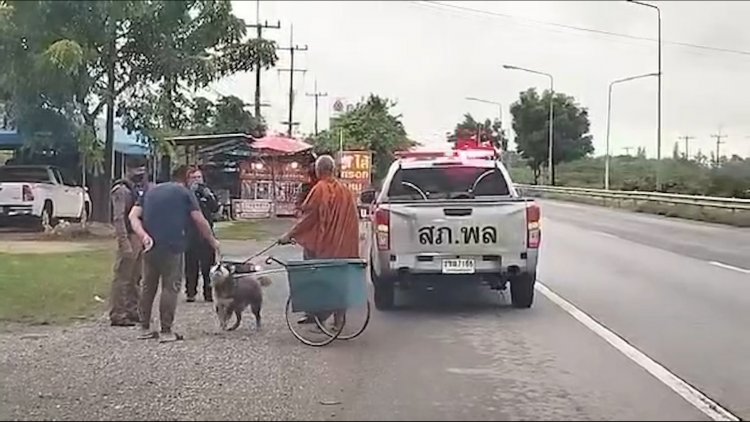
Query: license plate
{"points": [[458, 266]]}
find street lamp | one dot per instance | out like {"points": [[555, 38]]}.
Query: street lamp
{"points": [[499, 106], [551, 115], [658, 95], [609, 112]]}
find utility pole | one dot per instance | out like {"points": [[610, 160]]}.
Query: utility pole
{"points": [[718, 137], [316, 95], [259, 31], [292, 48], [627, 150], [687, 139]]}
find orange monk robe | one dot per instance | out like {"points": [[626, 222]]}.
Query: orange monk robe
{"points": [[329, 226]]}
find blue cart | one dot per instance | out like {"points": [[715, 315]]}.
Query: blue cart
{"points": [[320, 287]]}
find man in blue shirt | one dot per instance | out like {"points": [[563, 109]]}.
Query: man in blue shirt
{"points": [[160, 219]]}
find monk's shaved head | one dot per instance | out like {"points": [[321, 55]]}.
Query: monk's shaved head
{"points": [[325, 166]]}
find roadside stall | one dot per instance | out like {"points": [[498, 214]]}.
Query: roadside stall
{"points": [[270, 180]]}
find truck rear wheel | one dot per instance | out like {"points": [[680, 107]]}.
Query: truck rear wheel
{"points": [[46, 219], [385, 294], [522, 290]]}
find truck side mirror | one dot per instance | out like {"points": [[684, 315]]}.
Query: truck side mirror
{"points": [[367, 196]]}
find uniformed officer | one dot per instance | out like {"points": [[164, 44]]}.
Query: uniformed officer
{"points": [[128, 263]]}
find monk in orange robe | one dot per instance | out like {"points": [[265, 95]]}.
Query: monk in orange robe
{"points": [[329, 227]]}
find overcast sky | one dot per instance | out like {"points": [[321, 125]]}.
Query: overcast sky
{"points": [[429, 58]]}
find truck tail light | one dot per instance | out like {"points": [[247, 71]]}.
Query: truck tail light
{"points": [[26, 193], [533, 228], [383, 229]]}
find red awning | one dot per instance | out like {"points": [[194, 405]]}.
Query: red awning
{"points": [[280, 145]]}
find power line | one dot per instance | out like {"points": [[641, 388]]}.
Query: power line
{"points": [[316, 94], [259, 35], [687, 139], [718, 137], [292, 48], [579, 28]]}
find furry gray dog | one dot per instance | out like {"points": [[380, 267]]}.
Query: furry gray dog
{"points": [[234, 292]]}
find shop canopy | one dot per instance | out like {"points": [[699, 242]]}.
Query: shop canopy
{"points": [[281, 145]]}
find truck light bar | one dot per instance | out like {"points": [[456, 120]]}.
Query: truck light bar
{"points": [[489, 154]]}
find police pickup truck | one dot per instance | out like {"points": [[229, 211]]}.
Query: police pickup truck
{"points": [[452, 217]]}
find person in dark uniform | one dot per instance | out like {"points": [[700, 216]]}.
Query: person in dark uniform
{"points": [[199, 255], [128, 260]]}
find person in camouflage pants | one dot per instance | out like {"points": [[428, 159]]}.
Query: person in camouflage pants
{"points": [[128, 261]]}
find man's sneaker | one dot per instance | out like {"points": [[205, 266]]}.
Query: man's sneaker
{"points": [[146, 334], [169, 337], [191, 299], [208, 298]]}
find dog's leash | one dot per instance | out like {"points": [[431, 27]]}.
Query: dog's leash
{"points": [[266, 249]]}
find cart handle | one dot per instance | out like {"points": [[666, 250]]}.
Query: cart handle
{"points": [[271, 259]]}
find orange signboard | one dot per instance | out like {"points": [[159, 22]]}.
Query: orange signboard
{"points": [[356, 168]]}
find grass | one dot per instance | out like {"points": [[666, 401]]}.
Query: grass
{"points": [[54, 288], [241, 230]]}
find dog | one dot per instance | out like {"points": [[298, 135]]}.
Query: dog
{"points": [[234, 292]]}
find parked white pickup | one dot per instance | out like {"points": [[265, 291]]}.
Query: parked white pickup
{"points": [[40, 192]]}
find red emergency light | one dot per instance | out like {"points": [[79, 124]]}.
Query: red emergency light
{"points": [[463, 154]]}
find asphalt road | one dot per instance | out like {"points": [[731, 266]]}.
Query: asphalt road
{"points": [[446, 355], [664, 285]]}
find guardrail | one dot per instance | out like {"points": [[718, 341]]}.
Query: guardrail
{"points": [[665, 198]]}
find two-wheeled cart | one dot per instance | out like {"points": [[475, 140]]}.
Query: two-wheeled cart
{"points": [[318, 288]]}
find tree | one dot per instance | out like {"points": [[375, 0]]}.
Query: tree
{"points": [[489, 131], [202, 114], [369, 126], [531, 125], [701, 158], [641, 152], [232, 117], [676, 151], [78, 58]]}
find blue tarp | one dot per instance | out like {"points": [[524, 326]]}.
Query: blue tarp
{"points": [[9, 139], [129, 144], [125, 143]]}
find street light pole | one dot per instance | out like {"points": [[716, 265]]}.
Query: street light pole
{"points": [[499, 107], [550, 154], [658, 95], [609, 113]]}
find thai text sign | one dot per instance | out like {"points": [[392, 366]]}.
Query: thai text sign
{"points": [[356, 168]]}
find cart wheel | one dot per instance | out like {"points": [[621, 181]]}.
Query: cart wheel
{"points": [[309, 334], [362, 314]]}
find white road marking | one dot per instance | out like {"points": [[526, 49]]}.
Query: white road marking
{"points": [[610, 235], [710, 408], [729, 267]]}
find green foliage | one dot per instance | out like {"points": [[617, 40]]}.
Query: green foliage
{"points": [[369, 126], [232, 117], [489, 131], [57, 56], [690, 177], [572, 140]]}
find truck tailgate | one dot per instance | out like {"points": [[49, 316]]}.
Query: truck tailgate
{"points": [[470, 228], [11, 193]]}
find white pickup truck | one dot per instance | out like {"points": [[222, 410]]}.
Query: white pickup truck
{"points": [[452, 218], [40, 193]]}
